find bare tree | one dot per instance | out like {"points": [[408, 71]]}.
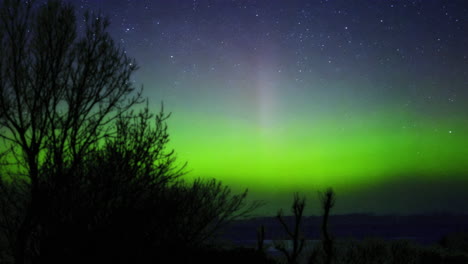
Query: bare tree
{"points": [[261, 239], [327, 199], [59, 93], [295, 234], [85, 171]]}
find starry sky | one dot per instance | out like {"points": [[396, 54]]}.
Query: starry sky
{"points": [[367, 97]]}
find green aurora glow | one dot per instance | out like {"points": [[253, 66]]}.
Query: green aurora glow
{"points": [[368, 97], [322, 153]]}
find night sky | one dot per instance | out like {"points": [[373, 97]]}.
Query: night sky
{"points": [[367, 97]]}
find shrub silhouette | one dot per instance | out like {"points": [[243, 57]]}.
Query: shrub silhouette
{"points": [[455, 241]]}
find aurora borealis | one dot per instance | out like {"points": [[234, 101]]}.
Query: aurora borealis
{"points": [[368, 97]]}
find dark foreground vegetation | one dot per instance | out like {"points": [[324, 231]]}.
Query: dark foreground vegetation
{"points": [[362, 238], [86, 176]]}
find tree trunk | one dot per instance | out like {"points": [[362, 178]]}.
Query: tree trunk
{"points": [[22, 237]]}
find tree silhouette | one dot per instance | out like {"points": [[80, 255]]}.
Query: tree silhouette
{"points": [[295, 234], [58, 94], [327, 199], [87, 176]]}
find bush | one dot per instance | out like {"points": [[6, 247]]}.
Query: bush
{"points": [[456, 242]]}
